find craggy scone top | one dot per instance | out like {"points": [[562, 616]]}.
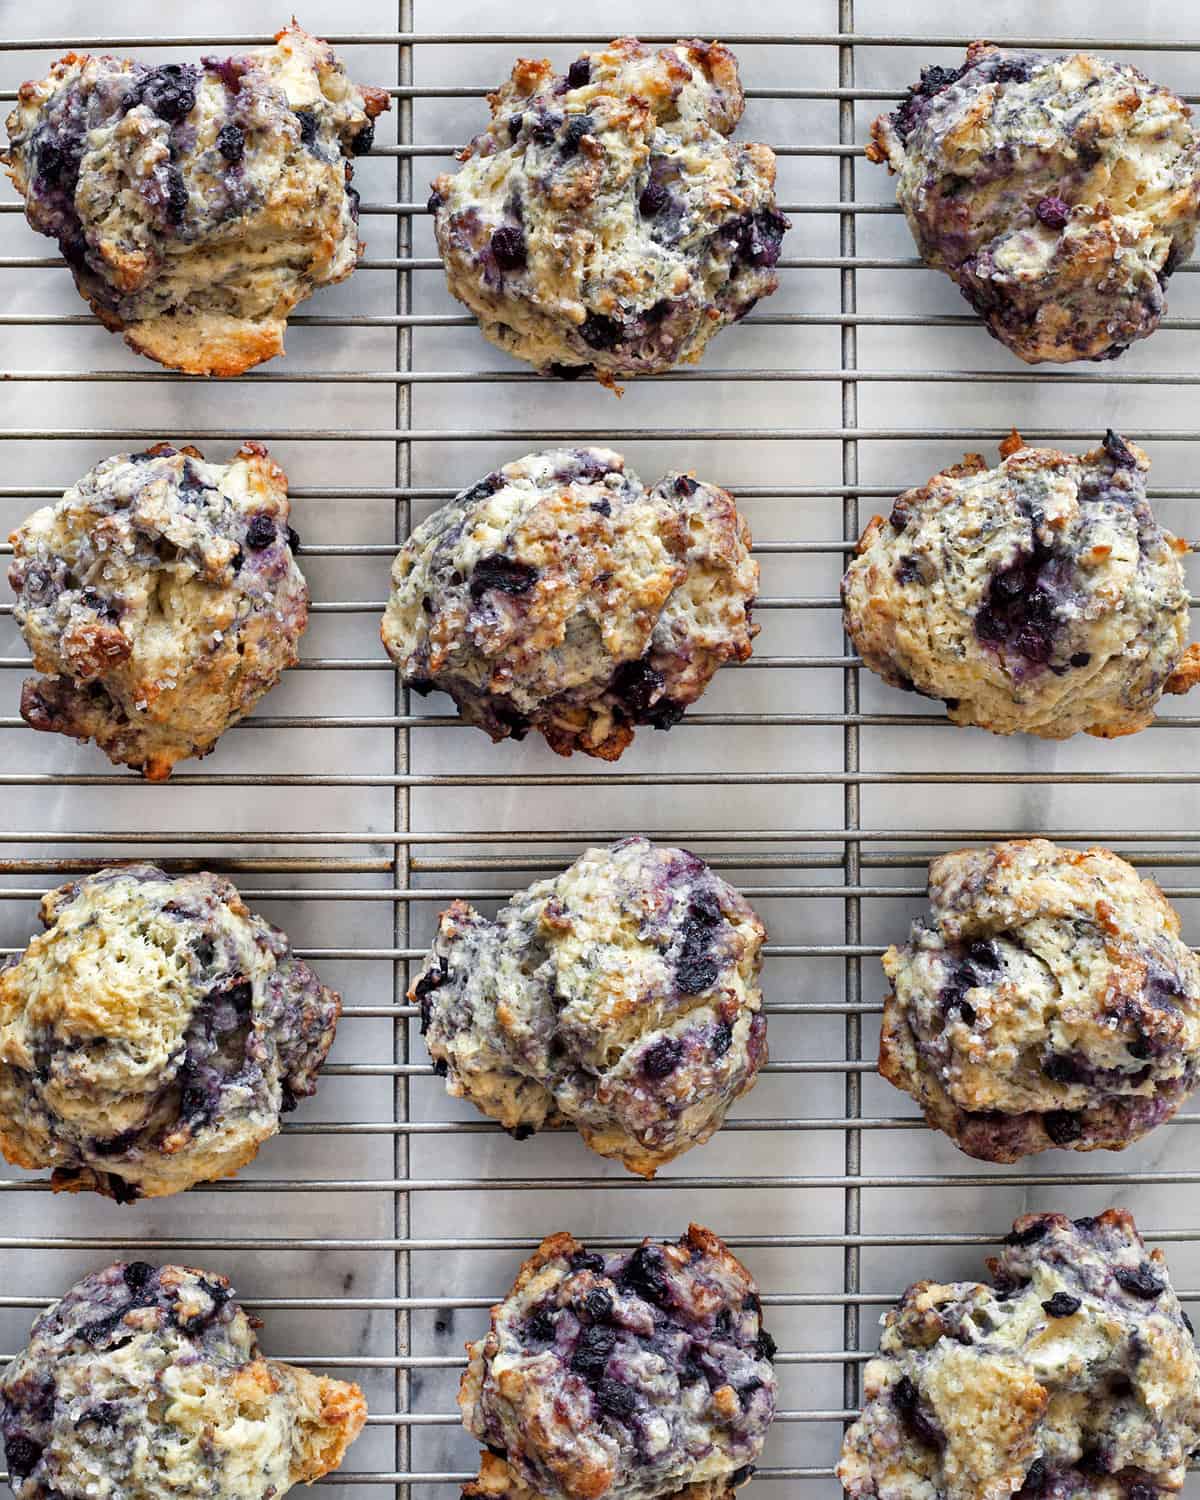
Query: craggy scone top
{"points": [[603, 222], [152, 1036], [1040, 597], [1074, 1375], [1059, 193], [559, 594], [625, 1376], [620, 997], [147, 1383], [197, 204], [1046, 1000], [162, 598]]}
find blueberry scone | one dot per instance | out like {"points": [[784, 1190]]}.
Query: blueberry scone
{"points": [[559, 594], [1046, 1000], [152, 1036], [625, 1376], [1040, 597], [604, 222], [162, 599], [1058, 193], [147, 1383], [620, 997], [197, 205], [1073, 1377]]}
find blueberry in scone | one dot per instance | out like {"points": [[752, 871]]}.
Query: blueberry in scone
{"points": [[147, 1383], [1046, 1000], [620, 997], [1040, 597], [196, 205], [561, 595], [162, 599], [152, 1036], [1074, 1375], [1058, 193], [625, 1376], [604, 222]]}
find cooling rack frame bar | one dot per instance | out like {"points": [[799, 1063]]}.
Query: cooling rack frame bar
{"points": [[848, 853]]}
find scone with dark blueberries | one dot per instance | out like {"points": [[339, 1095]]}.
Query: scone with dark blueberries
{"points": [[152, 1036], [147, 1383], [197, 204], [621, 997], [1058, 192], [1047, 999], [559, 594], [1074, 1376], [161, 599], [631, 1375], [604, 222], [1039, 597]]}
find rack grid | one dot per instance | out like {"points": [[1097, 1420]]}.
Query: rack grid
{"points": [[357, 865]]}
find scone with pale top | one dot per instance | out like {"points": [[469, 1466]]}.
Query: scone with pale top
{"points": [[152, 1036], [161, 597], [147, 1383], [1058, 192], [604, 222], [1073, 1377], [560, 594], [196, 205], [1039, 597], [620, 997], [635, 1375], [1046, 1000]]}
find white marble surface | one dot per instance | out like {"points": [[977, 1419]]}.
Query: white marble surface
{"points": [[178, 409]]}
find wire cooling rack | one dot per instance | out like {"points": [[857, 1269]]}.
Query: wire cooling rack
{"points": [[373, 1235]]}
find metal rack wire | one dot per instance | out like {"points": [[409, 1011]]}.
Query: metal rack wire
{"points": [[371, 883]]}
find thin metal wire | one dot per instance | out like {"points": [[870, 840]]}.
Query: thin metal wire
{"points": [[391, 859]]}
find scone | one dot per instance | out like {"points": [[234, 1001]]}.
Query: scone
{"points": [[604, 223], [1058, 193], [625, 1376], [147, 1383], [1046, 1000], [161, 597], [1074, 1376], [197, 205], [1040, 597], [620, 997], [152, 1036], [559, 594]]}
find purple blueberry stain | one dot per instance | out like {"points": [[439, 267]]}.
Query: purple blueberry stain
{"points": [[503, 574], [661, 1059], [508, 248], [599, 331], [168, 91], [579, 73], [231, 143], [1053, 212], [261, 531]]}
